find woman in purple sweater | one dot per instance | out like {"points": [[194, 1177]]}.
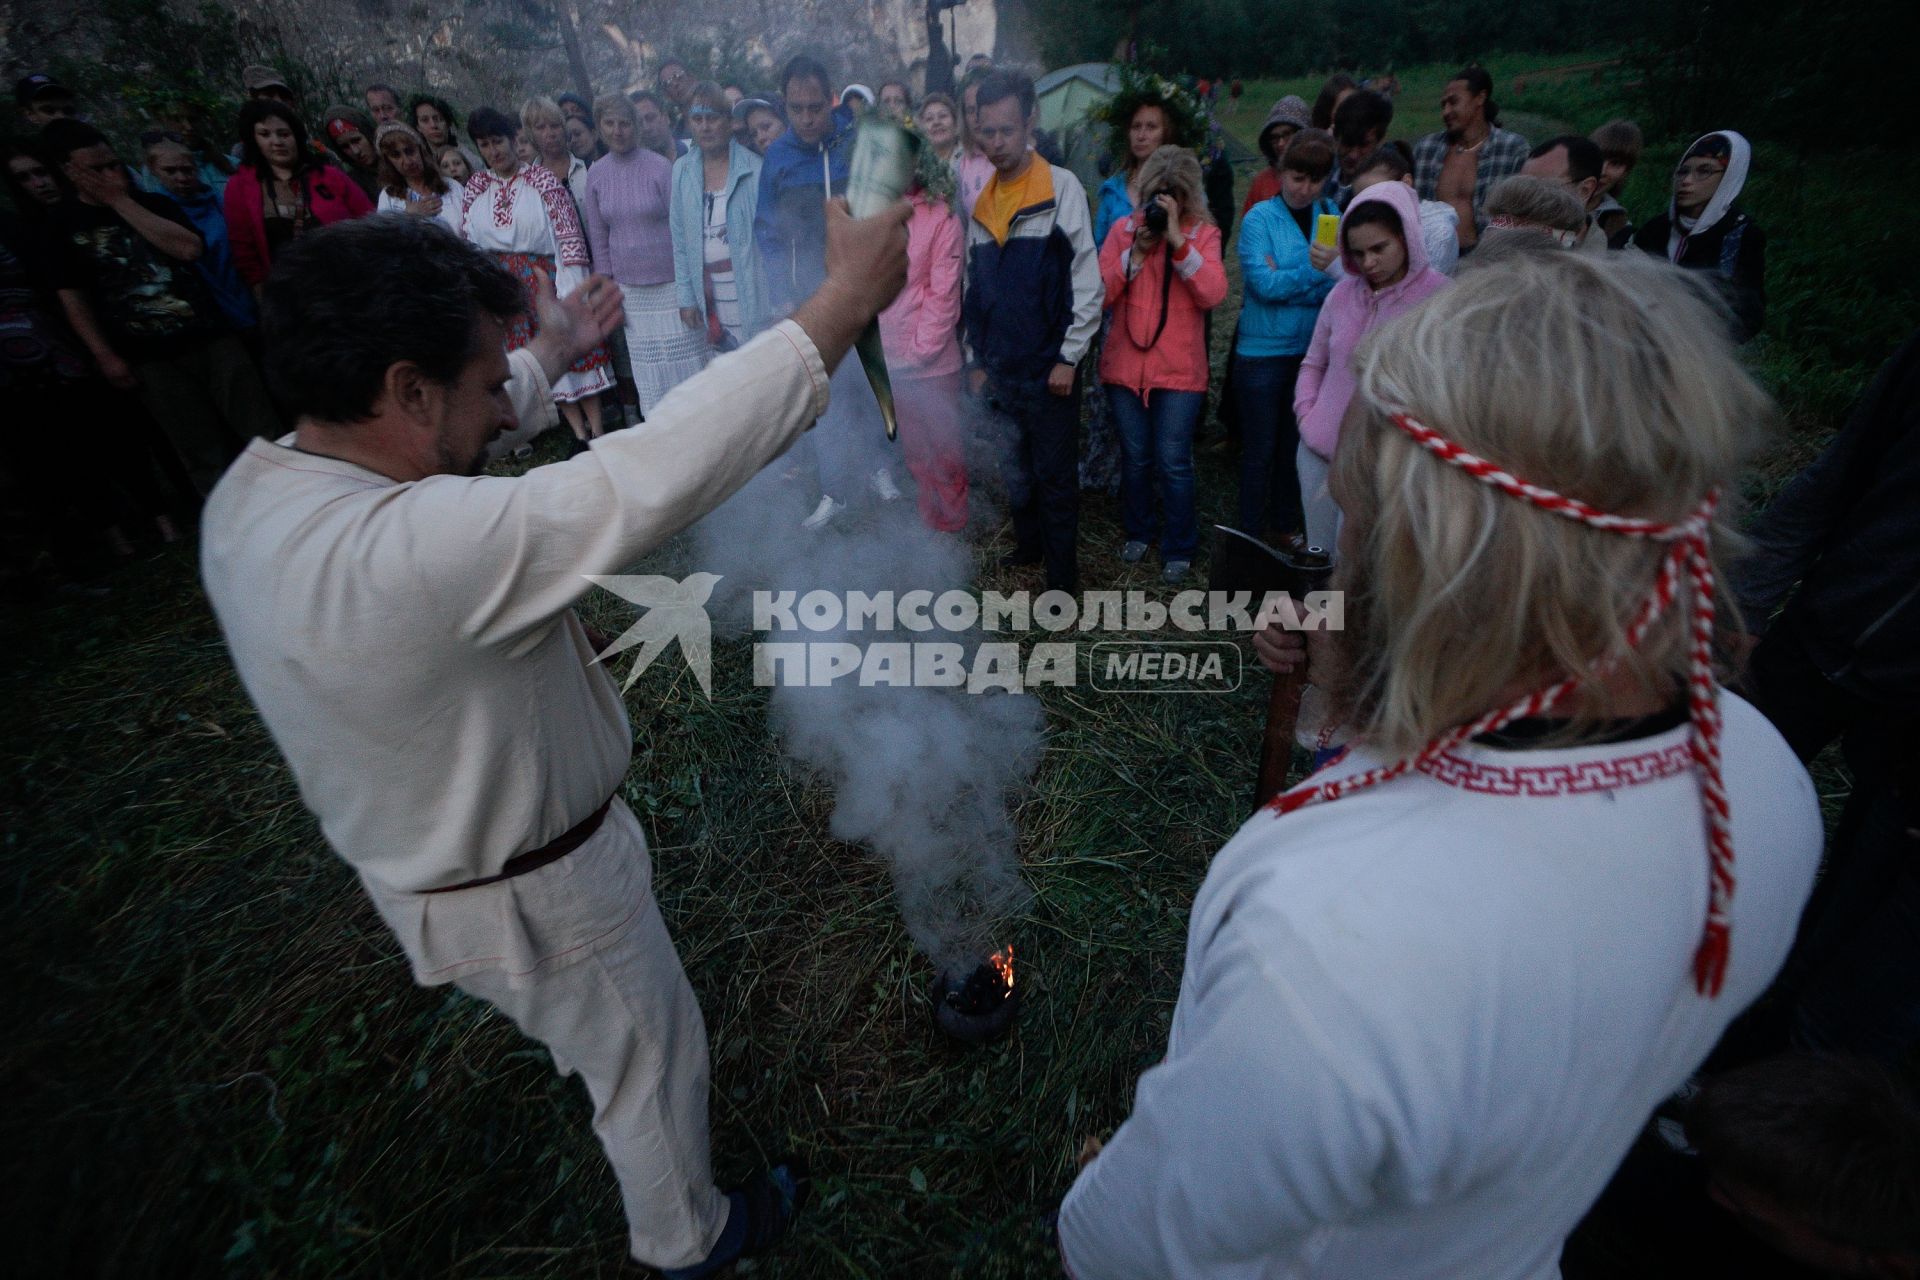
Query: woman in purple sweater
{"points": [[629, 192]]}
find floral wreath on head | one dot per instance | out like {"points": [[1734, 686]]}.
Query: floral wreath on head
{"points": [[1187, 116], [930, 173]]}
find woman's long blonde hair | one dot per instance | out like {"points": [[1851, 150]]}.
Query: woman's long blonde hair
{"points": [[1175, 168], [1614, 382]]}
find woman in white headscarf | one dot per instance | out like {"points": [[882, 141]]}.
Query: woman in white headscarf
{"points": [[1703, 231]]}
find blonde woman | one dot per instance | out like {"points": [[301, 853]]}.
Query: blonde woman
{"points": [[1432, 995], [629, 198], [1162, 270], [544, 125]]}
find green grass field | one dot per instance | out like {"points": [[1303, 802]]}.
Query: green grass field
{"points": [[1416, 111], [220, 1066]]}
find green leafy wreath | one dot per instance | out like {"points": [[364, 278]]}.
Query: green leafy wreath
{"points": [[1187, 116]]}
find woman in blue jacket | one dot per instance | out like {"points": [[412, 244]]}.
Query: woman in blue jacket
{"points": [[716, 192], [1282, 292]]}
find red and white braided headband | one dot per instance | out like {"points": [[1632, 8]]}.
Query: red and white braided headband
{"points": [[1690, 552]]}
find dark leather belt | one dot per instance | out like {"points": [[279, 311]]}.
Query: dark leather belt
{"points": [[533, 859]]}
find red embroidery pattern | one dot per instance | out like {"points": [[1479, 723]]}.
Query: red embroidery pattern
{"points": [[1689, 555], [1579, 779], [503, 202], [562, 217]]}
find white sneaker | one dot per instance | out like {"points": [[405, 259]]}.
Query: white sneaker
{"points": [[884, 486], [823, 513]]}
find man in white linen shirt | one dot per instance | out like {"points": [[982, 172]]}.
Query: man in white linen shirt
{"points": [[1433, 993], [404, 625]]}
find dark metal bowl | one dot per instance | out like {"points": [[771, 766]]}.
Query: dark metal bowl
{"points": [[975, 1006]]}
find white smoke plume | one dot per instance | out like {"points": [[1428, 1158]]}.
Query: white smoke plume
{"points": [[922, 777]]}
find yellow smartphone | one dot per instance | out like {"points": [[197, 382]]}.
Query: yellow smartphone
{"points": [[1326, 230]]}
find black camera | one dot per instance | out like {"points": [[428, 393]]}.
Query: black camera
{"points": [[1156, 213]]}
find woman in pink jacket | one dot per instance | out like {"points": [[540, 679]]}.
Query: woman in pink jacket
{"points": [[282, 189], [1387, 275], [920, 332], [1161, 266]]}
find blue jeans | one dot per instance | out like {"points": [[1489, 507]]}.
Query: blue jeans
{"points": [[1156, 441], [1269, 484]]}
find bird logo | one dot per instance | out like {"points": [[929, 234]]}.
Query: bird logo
{"points": [[674, 611]]}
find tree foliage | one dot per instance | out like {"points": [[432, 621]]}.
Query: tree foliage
{"points": [[1290, 37]]}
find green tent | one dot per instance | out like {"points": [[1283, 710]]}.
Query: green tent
{"points": [[1065, 97]]}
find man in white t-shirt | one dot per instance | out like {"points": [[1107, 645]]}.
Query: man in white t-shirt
{"points": [[1432, 993]]}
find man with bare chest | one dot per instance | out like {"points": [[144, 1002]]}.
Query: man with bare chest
{"points": [[1459, 164]]}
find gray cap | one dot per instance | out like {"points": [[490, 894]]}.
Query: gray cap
{"points": [[1292, 110]]}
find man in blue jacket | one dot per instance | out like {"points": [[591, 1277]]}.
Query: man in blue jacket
{"points": [[1032, 308], [806, 166]]}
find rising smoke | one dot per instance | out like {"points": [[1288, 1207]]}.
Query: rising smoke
{"points": [[923, 777]]}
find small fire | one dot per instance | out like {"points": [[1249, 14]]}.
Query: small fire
{"points": [[1001, 962]]}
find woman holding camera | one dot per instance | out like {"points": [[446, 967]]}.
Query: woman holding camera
{"points": [[1161, 265]]}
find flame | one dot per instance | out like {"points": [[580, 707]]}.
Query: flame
{"points": [[1002, 962]]}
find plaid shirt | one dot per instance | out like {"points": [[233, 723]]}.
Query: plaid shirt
{"points": [[1501, 154]]}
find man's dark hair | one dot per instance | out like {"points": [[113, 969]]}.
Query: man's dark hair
{"points": [[252, 112], [567, 95], [1310, 152], [639, 96], [1835, 1139], [61, 138], [378, 87], [1583, 155], [1391, 159], [804, 68], [1362, 113], [1479, 80], [998, 86], [345, 302], [1337, 83], [669, 62], [487, 122]]}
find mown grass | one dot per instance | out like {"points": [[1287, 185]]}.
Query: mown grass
{"points": [[220, 1066]]}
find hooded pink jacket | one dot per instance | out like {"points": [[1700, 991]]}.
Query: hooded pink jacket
{"points": [[921, 330], [1353, 310]]}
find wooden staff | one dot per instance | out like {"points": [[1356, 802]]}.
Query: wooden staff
{"points": [[1244, 563]]}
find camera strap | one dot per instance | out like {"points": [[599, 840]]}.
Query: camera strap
{"points": [[1166, 293]]}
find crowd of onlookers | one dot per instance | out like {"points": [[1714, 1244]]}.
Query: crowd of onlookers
{"points": [[131, 270]]}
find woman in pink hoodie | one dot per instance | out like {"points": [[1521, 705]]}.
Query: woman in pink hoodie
{"points": [[920, 333], [1387, 275]]}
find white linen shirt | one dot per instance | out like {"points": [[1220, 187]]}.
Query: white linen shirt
{"points": [[411, 646], [1420, 1025]]}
